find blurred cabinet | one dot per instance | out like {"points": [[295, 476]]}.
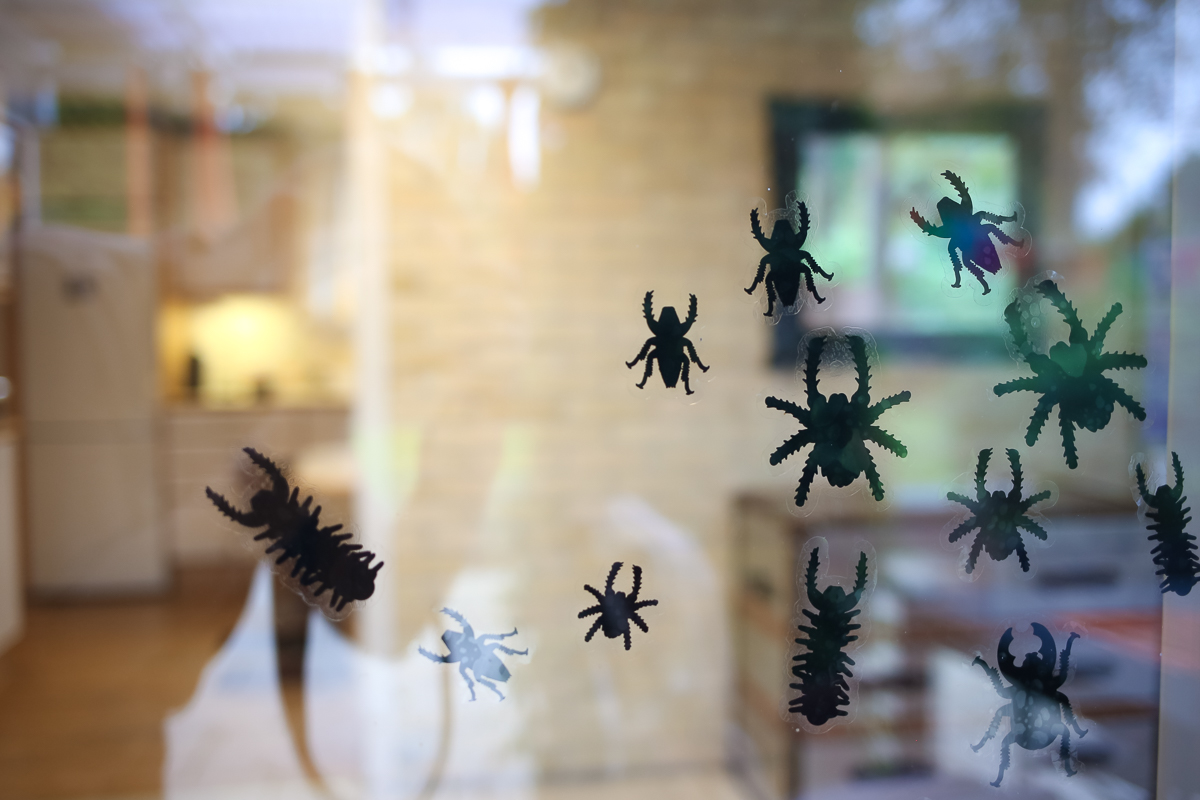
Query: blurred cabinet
{"points": [[11, 585], [87, 349]]}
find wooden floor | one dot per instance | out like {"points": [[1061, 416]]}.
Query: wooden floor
{"points": [[84, 693]]}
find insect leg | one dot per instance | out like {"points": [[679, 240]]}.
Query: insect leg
{"points": [[641, 353], [511, 652], [1064, 753], [1069, 714], [692, 352], [1005, 758], [812, 287], [991, 673], [592, 632], [241, 518], [1004, 711], [687, 387], [1064, 661], [491, 686], [770, 284], [497, 636], [649, 370], [434, 656], [977, 272], [762, 270], [1001, 235], [957, 266], [813, 263], [462, 670], [996, 217]]}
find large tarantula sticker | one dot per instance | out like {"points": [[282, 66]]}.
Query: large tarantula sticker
{"points": [[967, 233], [1175, 553], [669, 343], [475, 653], [616, 609], [322, 556], [1037, 708], [998, 516], [838, 427], [1071, 375], [787, 258], [824, 668]]}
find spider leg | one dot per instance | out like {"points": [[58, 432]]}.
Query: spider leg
{"points": [[1068, 437], [1041, 413], [434, 656], [587, 612], [957, 266], [592, 631], [511, 652], [491, 686], [1022, 556], [873, 479], [806, 479], [985, 456], [641, 353], [812, 287], [969, 524], [595, 592], [762, 270], [1069, 713], [687, 386], [862, 370], [649, 370], [1005, 757], [1141, 483], [637, 620], [992, 673], [462, 670], [1051, 292], [791, 446], [628, 640], [1004, 711], [612, 575], [1014, 463], [802, 414], [812, 363], [1178, 490], [1028, 524], [973, 555], [1107, 361], [692, 352], [886, 441], [1064, 753], [644, 603], [1131, 405], [886, 403], [770, 284], [1001, 235], [637, 583]]}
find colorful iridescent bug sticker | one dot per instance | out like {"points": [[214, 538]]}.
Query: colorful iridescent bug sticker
{"points": [[475, 653], [1175, 551], [1071, 376], [1038, 712], [668, 345], [969, 233], [786, 257], [824, 667], [838, 427], [998, 516], [322, 559]]}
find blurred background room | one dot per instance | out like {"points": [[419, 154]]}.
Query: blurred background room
{"points": [[401, 247]]}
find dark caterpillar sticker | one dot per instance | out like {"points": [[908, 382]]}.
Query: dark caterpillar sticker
{"points": [[1175, 551], [322, 559], [823, 666]]}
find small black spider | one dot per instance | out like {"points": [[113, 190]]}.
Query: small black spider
{"points": [[669, 342], [824, 668], [998, 515], [322, 557], [788, 260], [1071, 375], [475, 653], [967, 233], [617, 608], [1175, 553], [838, 427], [1037, 709]]}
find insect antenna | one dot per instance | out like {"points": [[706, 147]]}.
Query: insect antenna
{"points": [[648, 310], [803, 209], [691, 315], [755, 227]]}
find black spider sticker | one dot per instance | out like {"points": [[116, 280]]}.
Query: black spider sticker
{"points": [[838, 427], [1036, 708], [998, 516], [787, 258], [321, 555], [968, 233], [1175, 551], [1071, 375], [476, 654], [669, 343], [616, 609], [824, 666]]}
